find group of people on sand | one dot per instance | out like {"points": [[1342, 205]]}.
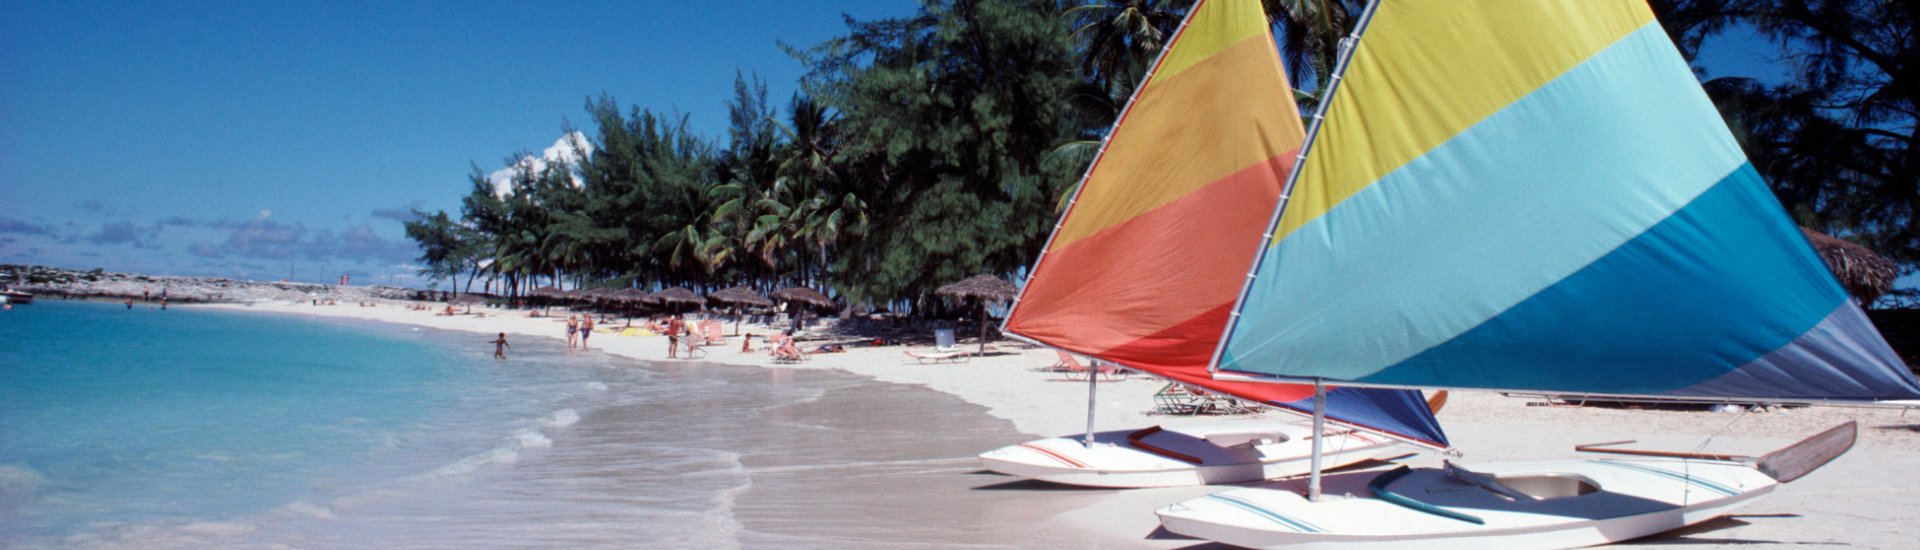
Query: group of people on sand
{"points": [[579, 327], [784, 348]]}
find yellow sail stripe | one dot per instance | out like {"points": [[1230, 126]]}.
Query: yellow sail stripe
{"points": [[1416, 82], [1182, 134], [1216, 26]]}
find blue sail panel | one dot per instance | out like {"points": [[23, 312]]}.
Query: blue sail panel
{"points": [[1401, 413], [1714, 289], [1525, 197], [1597, 232]]}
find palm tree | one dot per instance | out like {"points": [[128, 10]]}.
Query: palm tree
{"points": [[1119, 38], [1310, 33]]}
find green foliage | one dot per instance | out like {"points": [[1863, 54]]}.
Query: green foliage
{"points": [[1837, 140], [929, 148], [945, 120]]}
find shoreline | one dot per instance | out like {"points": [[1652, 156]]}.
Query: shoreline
{"points": [[1861, 499]]}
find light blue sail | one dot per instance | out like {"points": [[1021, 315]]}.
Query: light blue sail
{"points": [[1597, 231]]}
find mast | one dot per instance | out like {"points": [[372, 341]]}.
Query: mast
{"points": [[1347, 45], [1093, 384], [1319, 429]]}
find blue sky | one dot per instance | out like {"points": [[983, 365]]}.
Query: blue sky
{"points": [[264, 140], [258, 139]]}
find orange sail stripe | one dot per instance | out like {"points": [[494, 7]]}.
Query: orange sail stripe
{"points": [[1208, 325], [1162, 267], [1182, 133]]}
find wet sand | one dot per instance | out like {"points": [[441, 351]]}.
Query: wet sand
{"points": [[903, 474]]}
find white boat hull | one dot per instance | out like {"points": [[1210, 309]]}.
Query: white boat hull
{"points": [[1629, 498], [1167, 458]]}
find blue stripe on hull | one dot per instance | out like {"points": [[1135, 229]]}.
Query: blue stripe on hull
{"points": [[1723, 282]]}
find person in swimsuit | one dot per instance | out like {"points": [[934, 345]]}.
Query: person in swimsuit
{"points": [[586, 329], [500, 346], [573, 327], [673, 336]]}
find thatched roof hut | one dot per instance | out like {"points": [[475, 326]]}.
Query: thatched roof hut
{"points": [[981, 289], [741, 296], [987, 287], [603, 294], [804, 294], [627, 296], [677, 296], [1865, 274]]}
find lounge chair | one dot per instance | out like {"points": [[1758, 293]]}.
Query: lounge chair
{"points": [[710, 329], [695, 347], [1065, 363], [1077, 371], [1179, 399], [938, 356]]}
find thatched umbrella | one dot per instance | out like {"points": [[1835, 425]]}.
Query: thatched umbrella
{"points": [[602, 294], [981, 288], [546, 294], [739, 297], [1865, 274], [627, 298], [792, 295], [676, 296]]}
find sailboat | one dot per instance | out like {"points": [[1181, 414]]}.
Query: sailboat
{"points": [[1147, 260], [1538, 197]]}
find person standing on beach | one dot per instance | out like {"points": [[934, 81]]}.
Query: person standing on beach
{"points": [[586, 329], [129, 303], [573, 327], [673, 336], [500, 346]]}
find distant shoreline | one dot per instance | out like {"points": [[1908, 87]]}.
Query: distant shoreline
{"points": [[51, 282]]}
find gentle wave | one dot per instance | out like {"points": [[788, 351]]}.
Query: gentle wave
{"points": [[561, 418]]}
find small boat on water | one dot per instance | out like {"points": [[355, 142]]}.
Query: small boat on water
{"points": [[1147, 260], [12, 296], [1534, 197]]}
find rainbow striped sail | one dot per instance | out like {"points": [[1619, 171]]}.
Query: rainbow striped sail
{"points": [[1145, 265], [1539, 196]]}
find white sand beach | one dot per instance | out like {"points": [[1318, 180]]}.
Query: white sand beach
{"points": [[1864, 499]]}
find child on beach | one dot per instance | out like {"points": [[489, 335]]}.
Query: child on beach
{"points": [[500, 346]]}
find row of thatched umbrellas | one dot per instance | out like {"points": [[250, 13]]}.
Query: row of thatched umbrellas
{"points": [[1865, 274], [677, 298], [981, 289]]}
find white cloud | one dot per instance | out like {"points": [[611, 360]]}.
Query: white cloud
{"points": [[562, 150]]}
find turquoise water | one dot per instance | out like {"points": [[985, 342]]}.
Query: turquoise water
{"points": [[198, 428], [111, 415], [114, 418]]}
